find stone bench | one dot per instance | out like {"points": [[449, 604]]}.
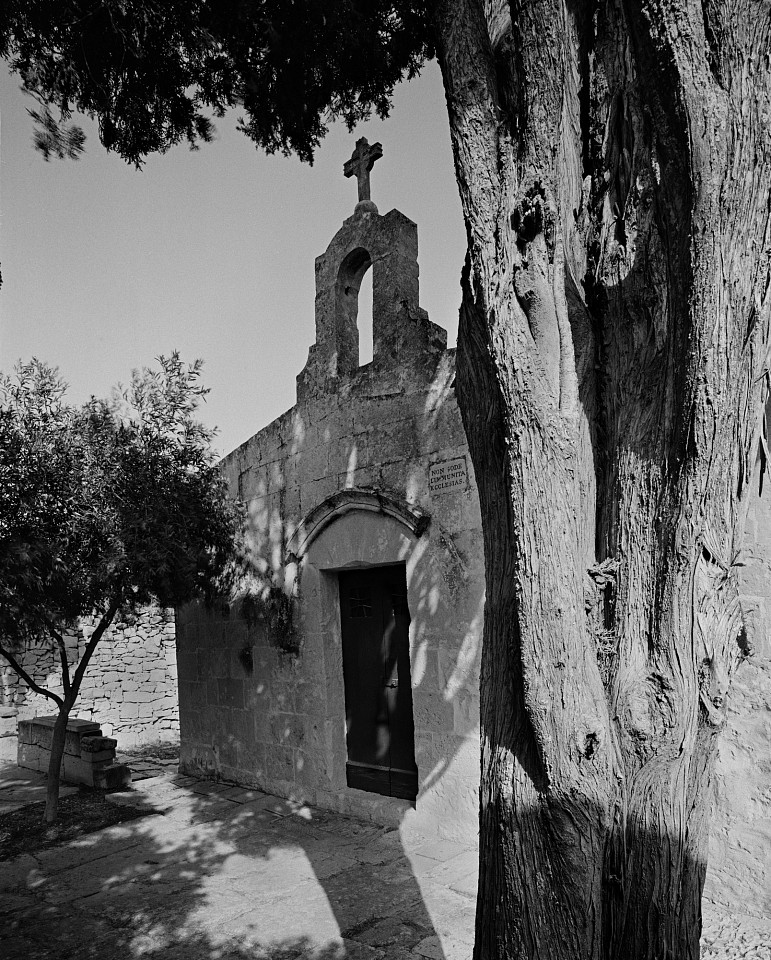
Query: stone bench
{"points": [[89, 757]]}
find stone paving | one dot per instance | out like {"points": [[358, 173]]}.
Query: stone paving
{"points": [[216, 872], [227, 873], [19, 787]]}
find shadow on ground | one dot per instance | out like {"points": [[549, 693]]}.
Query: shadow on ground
{"points": [[223, 873]]}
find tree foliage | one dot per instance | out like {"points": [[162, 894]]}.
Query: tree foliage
{"points": [[115, 500], [153, 73]]}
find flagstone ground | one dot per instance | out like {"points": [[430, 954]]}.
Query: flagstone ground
{"points": [[216, 872]]}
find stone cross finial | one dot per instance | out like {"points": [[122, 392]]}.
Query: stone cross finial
{"points": [[362, 161]]}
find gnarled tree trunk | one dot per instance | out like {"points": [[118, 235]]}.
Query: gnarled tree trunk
{"points": [[614, 167]]}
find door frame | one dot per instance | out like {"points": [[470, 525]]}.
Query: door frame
{"points": [[356, 540]]}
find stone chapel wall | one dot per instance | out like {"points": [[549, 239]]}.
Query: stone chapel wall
{"points": [[130, 686], [369, 470], [256, 715], [271, 724]]}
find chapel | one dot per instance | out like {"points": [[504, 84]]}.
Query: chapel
{"points": [[352, 684]]}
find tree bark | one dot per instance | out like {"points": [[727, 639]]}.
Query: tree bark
{"points": [[58, 741], [72, 689], [613, 165]]}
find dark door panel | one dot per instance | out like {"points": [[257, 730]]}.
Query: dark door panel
{"points": [[378, 691], [374, 779]]}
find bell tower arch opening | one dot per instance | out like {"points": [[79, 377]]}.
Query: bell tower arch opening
{"points": [[365, 320], [354, 303]]}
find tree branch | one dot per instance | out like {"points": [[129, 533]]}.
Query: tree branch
{"points": [[93, 640], [62, 657], [28, 679], [468, 70]]}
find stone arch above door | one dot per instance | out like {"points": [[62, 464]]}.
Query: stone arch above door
{"points": [[358, 532], [354, 499]]}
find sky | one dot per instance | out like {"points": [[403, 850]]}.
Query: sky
{"points": [[208, 252]]}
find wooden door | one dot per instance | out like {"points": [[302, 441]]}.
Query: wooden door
{"points": [[380, 737]]}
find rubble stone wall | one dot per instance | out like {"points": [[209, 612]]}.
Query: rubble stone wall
{"points": [[130, 687]]}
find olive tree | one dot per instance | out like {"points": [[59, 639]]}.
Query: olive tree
{"points": [[104, 508]]}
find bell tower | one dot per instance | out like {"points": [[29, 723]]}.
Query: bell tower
{"points": [[402, 333]]}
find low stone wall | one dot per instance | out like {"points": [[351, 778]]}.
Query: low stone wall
{"points": [[130, 687], [88, 756]]}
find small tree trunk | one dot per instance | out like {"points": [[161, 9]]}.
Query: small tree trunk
{"points": [[71, 688], [58, 741]]}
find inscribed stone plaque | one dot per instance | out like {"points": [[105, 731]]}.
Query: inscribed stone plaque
{"points": [[447, 475]]}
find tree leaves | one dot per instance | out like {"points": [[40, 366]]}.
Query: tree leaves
{"points": [[115, 499], [154, 73], [55, 138]]}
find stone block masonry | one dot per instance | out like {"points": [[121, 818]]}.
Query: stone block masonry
{"points": [[89, 757], [369, 471], [130, 687]]}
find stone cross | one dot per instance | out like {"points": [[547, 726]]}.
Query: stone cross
{"points": [[361, 162]]}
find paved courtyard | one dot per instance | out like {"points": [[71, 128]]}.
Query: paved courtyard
{"points": [[224, 872], [216, 872]]}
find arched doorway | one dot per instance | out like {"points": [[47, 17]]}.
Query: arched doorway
{"points": [[358, 563]]}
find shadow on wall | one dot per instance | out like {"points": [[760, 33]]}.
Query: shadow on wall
{"points": [[283, 727], [252, 712], [365, 887], [218, 878]]}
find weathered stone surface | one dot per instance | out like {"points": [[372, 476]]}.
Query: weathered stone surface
{"points": [[97, 746], [114, 776], [340, 481], [88, 756]]}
